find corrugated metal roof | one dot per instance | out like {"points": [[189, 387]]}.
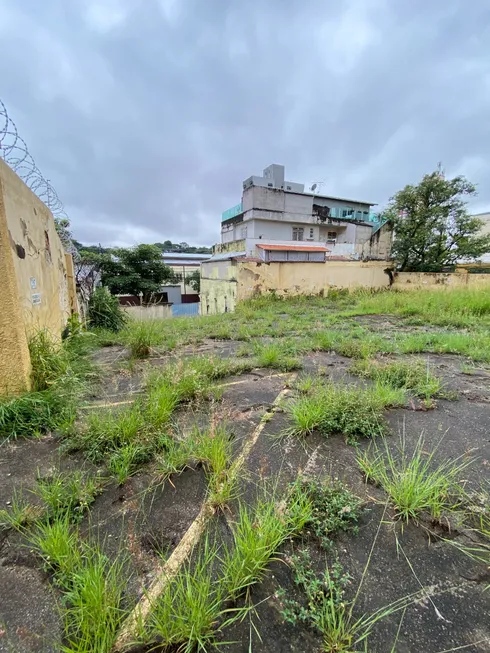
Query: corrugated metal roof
{"points": [[224, 256], [293, 248]]}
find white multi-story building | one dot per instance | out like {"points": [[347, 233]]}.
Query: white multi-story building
{"points": [[280, 213]]}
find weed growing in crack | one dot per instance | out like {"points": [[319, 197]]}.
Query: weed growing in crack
{"points": [[142, 336], [305, 384], [92, 586], [334, 509], [257, 535], [93, 602], [20, 513], [214, 449], [67, 494], [126, 460], [318, 591], [192, 608], [56, 542], [412, 376], [355, 412], [273, 356], [326, 609], [414, 480]]}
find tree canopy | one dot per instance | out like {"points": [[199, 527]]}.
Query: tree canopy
{"points": [[135, 270], [194, 280], [432, 226]]}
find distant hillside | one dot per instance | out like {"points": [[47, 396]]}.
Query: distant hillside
{"points": [[167, 246]]}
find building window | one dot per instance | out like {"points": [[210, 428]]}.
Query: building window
{"points": [[288, 187], [298, 233], [311, 232], [270, 185], [331, 235]]}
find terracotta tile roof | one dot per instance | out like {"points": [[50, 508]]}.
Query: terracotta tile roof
{"points": [[294, 248]]}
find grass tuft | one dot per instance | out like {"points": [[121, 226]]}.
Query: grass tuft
{"points": [[412, 376], [275, 357], [414, 480], [355, 412]]}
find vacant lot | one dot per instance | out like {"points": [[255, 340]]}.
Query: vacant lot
{"points": [[300, 475]]}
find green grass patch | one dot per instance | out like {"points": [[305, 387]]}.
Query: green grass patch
{"points": [[412, 375], [457, 307], [275, 356], [92, 586], [61, 374], [347, 409], [414, 480]]}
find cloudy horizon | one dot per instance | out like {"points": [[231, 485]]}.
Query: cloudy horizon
{"points": [[147, 115]]}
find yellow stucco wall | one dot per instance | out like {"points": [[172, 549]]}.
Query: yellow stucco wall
{"points": [[218, 287], [34, 271], [15, 365], [287, 279], [440, 280]]}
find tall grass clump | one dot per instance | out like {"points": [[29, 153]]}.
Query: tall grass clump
{"points": [[60, 373], [104, 311], [347, 409], [92, 586], [258, 533], [141, 336], [414, 479], [186, 616]]}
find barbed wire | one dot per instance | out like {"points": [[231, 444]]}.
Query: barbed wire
{"points": [[15, 153]]}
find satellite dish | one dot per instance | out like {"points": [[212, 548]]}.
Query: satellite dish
{"points": [[313, 188]]}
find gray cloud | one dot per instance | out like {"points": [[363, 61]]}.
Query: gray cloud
{"points": [[146, 115]]}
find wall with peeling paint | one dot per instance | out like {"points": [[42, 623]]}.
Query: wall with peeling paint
{"points": [[218, 287], [287, 279], [440, 280], [37, 290], [223, 283]]}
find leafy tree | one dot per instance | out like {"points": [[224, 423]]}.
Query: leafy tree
{"points": [[432, 226], [194, 280], [136, 270], [88, 266]]}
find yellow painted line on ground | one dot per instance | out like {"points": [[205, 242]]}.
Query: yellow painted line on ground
{"points": [[109, 404], [182, 551]]}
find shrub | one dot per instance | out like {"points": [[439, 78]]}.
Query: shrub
{"points": [[104, 311]]}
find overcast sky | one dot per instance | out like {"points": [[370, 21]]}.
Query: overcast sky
{"points": [[147, 115]]}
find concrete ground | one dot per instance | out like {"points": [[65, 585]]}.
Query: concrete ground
{"points": [[146, 518]]}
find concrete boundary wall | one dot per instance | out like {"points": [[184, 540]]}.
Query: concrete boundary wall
{"points": [[37, 286], [289, 279], [440, 280], [152, 312], [225, 282]]}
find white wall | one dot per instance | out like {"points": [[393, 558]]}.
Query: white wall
{"points": [[152, 312], [174, 293]]}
